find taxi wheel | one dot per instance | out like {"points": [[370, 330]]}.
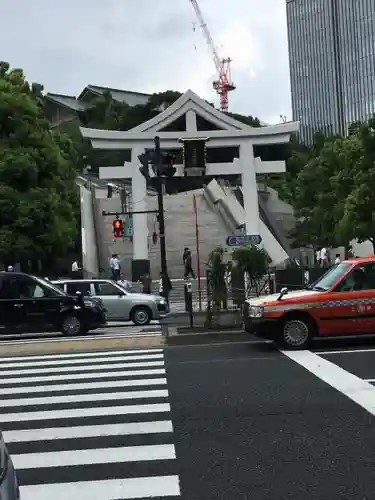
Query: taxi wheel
{"points": [[296, 332]]}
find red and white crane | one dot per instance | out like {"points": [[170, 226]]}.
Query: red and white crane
{"points": [[224, 84]]}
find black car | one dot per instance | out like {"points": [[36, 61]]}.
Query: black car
{"points": [[9, 489], [30, 304]]}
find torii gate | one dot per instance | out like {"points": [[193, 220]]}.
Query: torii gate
{"points": [[226, 132]]}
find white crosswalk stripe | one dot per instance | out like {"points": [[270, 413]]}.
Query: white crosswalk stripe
{"points": [[112, 331], [89, 425]]}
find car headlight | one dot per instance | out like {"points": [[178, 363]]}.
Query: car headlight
{"points": [[256, 311], [162, 301], [90, 304]]}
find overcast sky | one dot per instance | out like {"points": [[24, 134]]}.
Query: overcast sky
{"points": [[152, 46]]}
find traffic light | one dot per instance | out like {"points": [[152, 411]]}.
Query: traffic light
{"points": [[145, 161], [168, 169], [118, 228], [162, 164]]}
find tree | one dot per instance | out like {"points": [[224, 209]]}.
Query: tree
{"points": [[321, 192], [358, 220], [216, 271], [37, 176], [254, 263]]}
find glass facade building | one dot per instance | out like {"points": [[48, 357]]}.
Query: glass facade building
{"points": [[332, 63]]}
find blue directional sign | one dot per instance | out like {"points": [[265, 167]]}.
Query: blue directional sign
{"points": [[244, 239]]}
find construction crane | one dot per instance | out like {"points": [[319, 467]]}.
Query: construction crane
{"points": [[224, 84]]}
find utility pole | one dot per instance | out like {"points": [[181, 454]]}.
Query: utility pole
{"points": [[163, 168]]}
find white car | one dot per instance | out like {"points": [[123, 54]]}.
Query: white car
{"points": [[120, 305]]}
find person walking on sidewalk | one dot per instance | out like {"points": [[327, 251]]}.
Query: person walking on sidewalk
{"points": [[165, 286], [146, 283], [189, 266]]}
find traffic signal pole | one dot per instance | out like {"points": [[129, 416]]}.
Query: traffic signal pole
{"points": [[163, 248]]}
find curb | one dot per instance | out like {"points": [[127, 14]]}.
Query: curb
{"points": [[76, 346], [209, 337]]}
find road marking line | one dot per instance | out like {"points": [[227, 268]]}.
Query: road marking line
{"points": [[355, 388], [346, 351], [77, 376], [144, 357], [93, 354], [84, 412], [140, 487], [71, 458], [82, 387], [29, 435], [107, 396], [81, 368]]}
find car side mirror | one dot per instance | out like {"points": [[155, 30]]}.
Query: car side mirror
{"points": [[121, 294]]}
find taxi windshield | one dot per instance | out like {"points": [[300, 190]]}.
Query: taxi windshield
{"points": [[328, 279]]}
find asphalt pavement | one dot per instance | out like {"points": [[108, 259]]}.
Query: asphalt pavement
{"points": [[253, 423]]}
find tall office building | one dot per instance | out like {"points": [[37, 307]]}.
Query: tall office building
{"points": [[332, 63]]}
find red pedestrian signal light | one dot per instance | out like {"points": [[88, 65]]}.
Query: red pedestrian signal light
{"points": [[118, 228]]}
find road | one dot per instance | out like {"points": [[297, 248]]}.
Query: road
{"points": [[253, 423], [230, 421]]}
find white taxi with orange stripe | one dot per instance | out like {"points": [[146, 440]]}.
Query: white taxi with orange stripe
{"points": [[341, 302]]}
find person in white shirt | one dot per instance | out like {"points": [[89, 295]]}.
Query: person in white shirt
{"points": [[317, 257], [323, 257], [115, 267], [75, 270], [124, 283]]}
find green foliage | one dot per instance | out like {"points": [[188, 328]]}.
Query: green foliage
{"points": [[334, 196], [217, 269], [358, 220], [253, 261], [38, 195]]}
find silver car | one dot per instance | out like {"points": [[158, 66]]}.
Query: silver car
{"points": [[121, 305], [8, 480]]}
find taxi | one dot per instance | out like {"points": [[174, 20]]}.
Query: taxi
{"points": [[341, 302]]}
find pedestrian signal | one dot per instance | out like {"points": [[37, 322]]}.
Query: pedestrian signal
{"points": [[118, 228]]}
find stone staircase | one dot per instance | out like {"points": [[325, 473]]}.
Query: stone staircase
{"points": [[179, 228], [181, 232]]}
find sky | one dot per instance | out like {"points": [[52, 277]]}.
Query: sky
{"points": [[152, 46]]}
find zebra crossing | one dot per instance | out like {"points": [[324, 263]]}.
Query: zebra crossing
{"points": [[92, 425]]}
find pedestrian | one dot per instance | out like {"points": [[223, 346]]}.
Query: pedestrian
{"points": [[184, 255], [75, 270], [337, 259], [146, 283], [317, 257], [324, 261], [115, 267], [165, 286], [124, 283], [189, 266]]}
